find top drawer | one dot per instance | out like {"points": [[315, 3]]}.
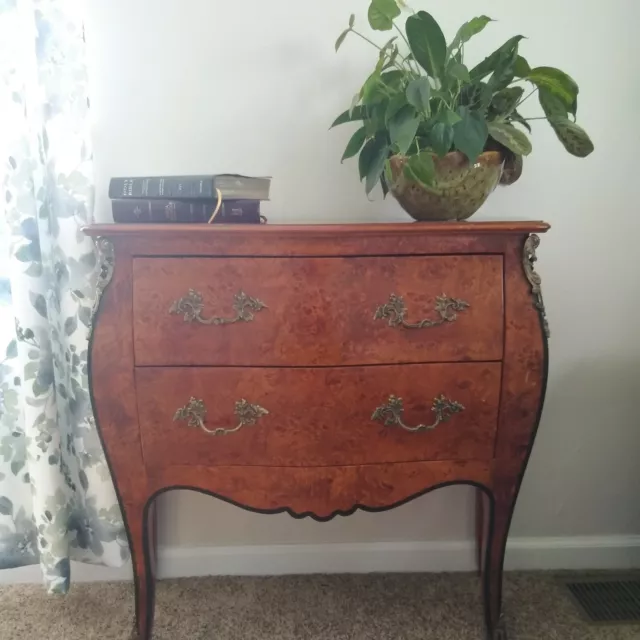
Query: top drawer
{"points": [[317, 311]]}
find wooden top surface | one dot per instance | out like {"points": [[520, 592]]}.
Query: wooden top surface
{"points": [[309, 230]]}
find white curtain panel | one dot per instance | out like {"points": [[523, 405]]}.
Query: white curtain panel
{"points": [[57, 501]]}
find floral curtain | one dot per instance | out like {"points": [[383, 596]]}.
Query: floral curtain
{"points": [[57, 501]]}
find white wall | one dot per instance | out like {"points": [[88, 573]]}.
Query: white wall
{"points": [[200, 86]]}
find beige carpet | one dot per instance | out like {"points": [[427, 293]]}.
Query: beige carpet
{"points": [[348, 607]]}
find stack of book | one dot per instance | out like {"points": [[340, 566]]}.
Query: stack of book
{"points": [[188, 199]]}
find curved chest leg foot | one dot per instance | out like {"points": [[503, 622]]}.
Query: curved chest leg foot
{"points": [[494, 562], [500, 631], [481, 529], [141, 523]]}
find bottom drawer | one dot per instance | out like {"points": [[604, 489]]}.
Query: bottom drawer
{"points": [[317, 416]]}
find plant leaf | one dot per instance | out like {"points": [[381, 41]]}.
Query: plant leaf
{"points": [[521, 67], [377, 159], [378, 21], [552, 106], [369, 152], [341, 38], [395, 104], [505, 70], [512, 168], [471, 133], [403, 128], [418, 94], [354, 103], [441, 138], [381, 14], [468, 30], [420, 168], [375, 121], [458, 71], [384, 53], [392, 58], [516, 117], [427, 43], [355, 143], [388, 44], [558, 83], [392, 79], [512, 138], [490, 63], [369, 86], [350, 115], [449, 117], [388, 173], [389, 8], [364, 159], [476, 96], [371, 91], [505, 101], [574, 138], [383, 181]]}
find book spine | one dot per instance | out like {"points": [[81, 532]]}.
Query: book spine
{"points": [[238, 212], [140, 211], [168, 187], [168, 211]]}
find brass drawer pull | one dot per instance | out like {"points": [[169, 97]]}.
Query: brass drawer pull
{"points": [[194, 412], [191, 307], [395, 312], [391, 413]]}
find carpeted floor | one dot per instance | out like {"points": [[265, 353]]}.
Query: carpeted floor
{"points": [[346, 607]]}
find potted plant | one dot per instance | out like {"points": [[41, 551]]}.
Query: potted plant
{"points": [[439, 134]]}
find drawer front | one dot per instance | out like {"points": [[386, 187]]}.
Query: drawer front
{"points": [[317, 311], [317, 416]]}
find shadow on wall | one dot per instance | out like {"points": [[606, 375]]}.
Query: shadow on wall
{"points": [[583, 477]]}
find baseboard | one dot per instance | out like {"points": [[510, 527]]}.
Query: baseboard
{"points": [[577, 553]]}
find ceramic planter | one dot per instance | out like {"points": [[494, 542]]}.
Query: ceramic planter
{"points": [[458, 191]]}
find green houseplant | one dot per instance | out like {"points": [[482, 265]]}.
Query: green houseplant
{"points": [[439, 134]]}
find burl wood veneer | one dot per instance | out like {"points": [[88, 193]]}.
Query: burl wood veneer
{"points": [[318, 370]]}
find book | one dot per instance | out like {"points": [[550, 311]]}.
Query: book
{"points": [[232, 186], [239, 212], [140, 211]]}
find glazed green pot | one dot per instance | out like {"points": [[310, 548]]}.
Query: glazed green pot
{"points": [[459, 188]]}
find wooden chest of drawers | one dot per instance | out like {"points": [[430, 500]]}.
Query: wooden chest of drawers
{"points": [[318, 370]]}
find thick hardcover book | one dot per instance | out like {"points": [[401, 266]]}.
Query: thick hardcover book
{"points": [[238, 212], [231, 211], [233, 187]]}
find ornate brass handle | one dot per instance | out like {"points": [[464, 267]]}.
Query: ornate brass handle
{"points": [[191, 307], [395, 312], [391, 413], [194, 412]]}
